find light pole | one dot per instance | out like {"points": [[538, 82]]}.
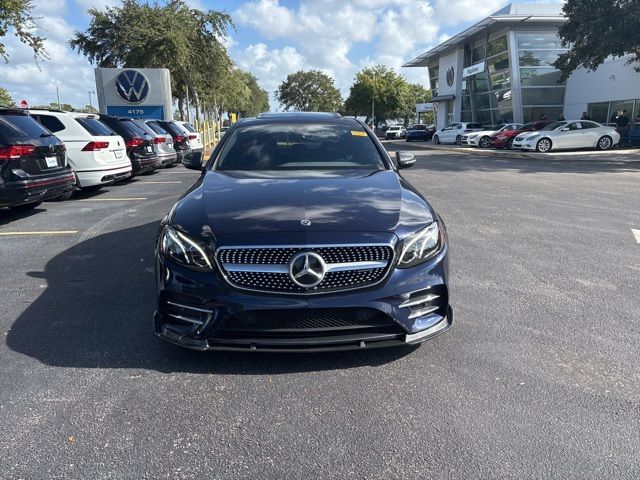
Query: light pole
{"points": [[90, 104]]}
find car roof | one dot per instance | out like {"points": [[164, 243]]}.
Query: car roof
{"points": [[300, 117]]}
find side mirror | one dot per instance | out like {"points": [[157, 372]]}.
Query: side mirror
{"points": [[405, 159]]}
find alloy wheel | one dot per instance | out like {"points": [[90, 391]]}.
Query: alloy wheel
{"points": [[543, 145], [485, 142], [604, 143]]}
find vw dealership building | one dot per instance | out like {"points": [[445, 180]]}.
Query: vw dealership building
{"points": [[501, 70]]}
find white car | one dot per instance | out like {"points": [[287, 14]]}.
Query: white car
{"points": [[454, 132], [97, 155], [570, 134], [197, 148], [482, 138], [395, 131]]}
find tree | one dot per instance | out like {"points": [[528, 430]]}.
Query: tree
{"points": [[16, 14], [5, 98], [596, 30], [309, 91], [414, 94], [382, 87], [184, 40]]}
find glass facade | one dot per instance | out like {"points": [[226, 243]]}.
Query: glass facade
{"points": [[434, 72], [606, 112], [486, 96], [542, 92]]}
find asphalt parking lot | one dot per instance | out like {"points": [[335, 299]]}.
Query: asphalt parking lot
{"points": [[538, 378]]}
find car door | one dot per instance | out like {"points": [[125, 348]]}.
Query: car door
{"points": [[591, 133], [569, 136]]}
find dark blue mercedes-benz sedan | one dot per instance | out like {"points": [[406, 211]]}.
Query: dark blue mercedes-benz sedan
{"points": [[301, 235]]}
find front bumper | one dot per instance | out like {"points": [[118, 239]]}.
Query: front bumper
{"points": [[220, 311]]}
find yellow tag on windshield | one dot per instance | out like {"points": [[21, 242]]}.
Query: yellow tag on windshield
{"points": [[358, 133]]}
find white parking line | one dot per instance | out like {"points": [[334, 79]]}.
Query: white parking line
{"points": [[122, 199], [41, 232], [636, 233]]}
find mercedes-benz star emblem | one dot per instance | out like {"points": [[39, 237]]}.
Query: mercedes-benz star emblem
{"points": [[132, 86], [307, 269], [306, 222]]}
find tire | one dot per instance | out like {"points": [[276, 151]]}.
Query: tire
{"points": [[510, 144], [25, 207], [436, 139], [485, 142], [604, 143], [459, 140], [544, 145]]}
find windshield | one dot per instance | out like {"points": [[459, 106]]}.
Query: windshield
{"points": [[554, 126], [299, 146]]}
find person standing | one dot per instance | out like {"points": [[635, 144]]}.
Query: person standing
{"points": [[585, 116], [561, 117], [622, 127]]}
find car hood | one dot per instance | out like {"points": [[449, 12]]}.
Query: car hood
{"points": [[232, 203]]}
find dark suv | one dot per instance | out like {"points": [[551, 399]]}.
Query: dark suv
{"points": [[33, 164], [180, 140], [138, 141]]}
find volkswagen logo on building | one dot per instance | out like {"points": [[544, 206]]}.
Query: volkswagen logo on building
{"points": [[132, 86], [451, 76], [307, 269]]}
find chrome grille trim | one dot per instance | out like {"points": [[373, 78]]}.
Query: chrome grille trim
{"points": [[418, 300], [265, 268], [284, 267]]}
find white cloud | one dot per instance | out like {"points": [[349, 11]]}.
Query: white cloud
{"points": [[329, 35], [36, 82]]}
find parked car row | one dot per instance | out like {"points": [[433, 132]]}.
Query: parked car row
{"points": [[541, 136], [50, 153]]}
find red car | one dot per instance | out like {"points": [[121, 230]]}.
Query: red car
{"points": [[505, 138]]}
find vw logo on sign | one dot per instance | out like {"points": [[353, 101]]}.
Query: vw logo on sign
{"points": [[307, 269], [451, 75], [132, 86]]}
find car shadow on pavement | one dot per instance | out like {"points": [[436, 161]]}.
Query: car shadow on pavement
{"points": [[7, 215], [96, 313]]}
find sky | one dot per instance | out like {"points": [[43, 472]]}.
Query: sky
{"points": [[272, 39]]}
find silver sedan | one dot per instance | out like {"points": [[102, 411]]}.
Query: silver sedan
{"points": [[572, 134]]}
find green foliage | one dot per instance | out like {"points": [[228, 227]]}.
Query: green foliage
{"points": [[16, 14], [393, 96], [597, 29], [186, 41], [309, 91], [5, 98]]}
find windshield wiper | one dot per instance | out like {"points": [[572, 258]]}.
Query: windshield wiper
{"points": [[43, 135]]}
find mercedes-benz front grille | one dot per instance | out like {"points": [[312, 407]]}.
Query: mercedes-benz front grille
{"points": [[336, 268]]}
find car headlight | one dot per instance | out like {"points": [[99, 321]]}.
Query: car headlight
{"points": [[177, 246], [474, 135], [420, 247]]}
